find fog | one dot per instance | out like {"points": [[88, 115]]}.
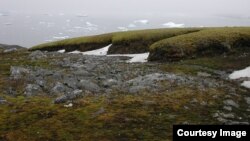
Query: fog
{"points": [[29, 22]]}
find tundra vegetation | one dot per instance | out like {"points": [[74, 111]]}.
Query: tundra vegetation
{"points": [[193, 87]]}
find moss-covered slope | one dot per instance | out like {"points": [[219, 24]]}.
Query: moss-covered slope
{"points": [[207, 42], [122, 42]]}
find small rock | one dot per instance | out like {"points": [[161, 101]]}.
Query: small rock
{"points": [[70, 96], [18, 72], [2, 101], [247, 100], [230, 115], [215, 115], [11, 91], [230, 102], [238, 123], [228, 108], [58, 88], [109, 83], [32, 89], [71, 82], [88, 85], [37, 55], [82, 73], [40, 82]]}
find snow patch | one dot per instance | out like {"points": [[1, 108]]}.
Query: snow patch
{"points": [[61, 51], [246, 84], [173, 25], [75, 52], [240, 74], [99, 52], [245, 73], [142, 57]]}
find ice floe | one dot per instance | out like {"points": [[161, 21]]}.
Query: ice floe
{"points": [[245, 73], [173, 25], [81, 15], [90, 24], [60, 38], [131, 25], [142, 21], [78, 27], [122, 28]]}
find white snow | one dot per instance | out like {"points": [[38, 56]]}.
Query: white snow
{"points": [[173, 25], [142, 21], [61, 51], [75, 52], [139, 58], [240, 74], [246, 84], [142, 57], [101, 51], [98, 52], [245, 73]]}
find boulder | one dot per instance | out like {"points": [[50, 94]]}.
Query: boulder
{"points": [[18, 72], [37, 55], [230, 102], [88, 85], [58, 88], [32, 89]]}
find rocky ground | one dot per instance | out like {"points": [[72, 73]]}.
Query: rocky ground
{"points": [[194, 95]]}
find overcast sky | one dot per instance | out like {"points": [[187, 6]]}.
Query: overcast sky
{"points": [[129, 7], [30, 22]]}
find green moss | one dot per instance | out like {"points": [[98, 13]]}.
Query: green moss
{"points": [[207, 42], [144, 116], [80, 43], [130, 42], [139, 41]]}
